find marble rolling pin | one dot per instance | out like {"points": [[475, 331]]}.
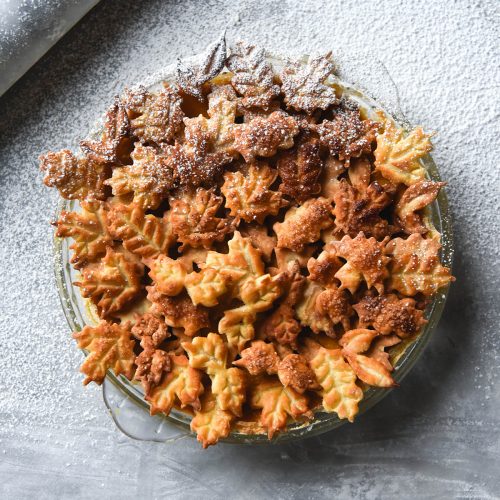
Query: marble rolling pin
{"points": [[29, 28]]}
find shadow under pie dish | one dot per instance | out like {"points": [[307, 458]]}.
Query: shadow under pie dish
{"points": [[259, 247]]}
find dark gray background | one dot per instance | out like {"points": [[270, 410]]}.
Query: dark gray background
{"points": [[436, 436]]}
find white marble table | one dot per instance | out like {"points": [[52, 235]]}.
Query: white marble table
{"points": [[435, 437]]}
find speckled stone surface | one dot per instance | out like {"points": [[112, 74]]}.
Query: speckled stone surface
{"points": [[437, 436]]}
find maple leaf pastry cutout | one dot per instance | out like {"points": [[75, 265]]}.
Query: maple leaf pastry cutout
{"points": [[248, 194], [114, 144], [182, 384], [303, 225], [75, 178], [110, 347], [194, 219], [278, 403], [397, 155], [112, 283], [152, 365], [264, 136], [228, 384], [141, 234], [304, 86], [300, 169], [416, 267], [365, 261], [155, 117], [210, 422], [88, 230], [253, 76], [191, 77], [389, 314], [150, 326], [347, 135], [149, 179]]}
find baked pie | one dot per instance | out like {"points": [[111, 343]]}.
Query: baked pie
{"points": [[252, 241]]}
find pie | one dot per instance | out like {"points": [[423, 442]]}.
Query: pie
{"points": [[253, 242]]}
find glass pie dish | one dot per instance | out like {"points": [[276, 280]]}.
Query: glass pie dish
{"points": [[125, 399]]}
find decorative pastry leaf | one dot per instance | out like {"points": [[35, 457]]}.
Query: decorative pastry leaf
{"points": [[347, 135], [237, 326], [377, 350], [387, 314], [206, 286], [304, 85], [281, 326], [182, 383], [110, 347], [89, 232], [358, 340], [152, 365], [365, 262], [191, 78], [143, 235], [75, 179], [369, 370], [300, 168], [168, 274], [340, 392], [115, 139], [150, 326], [149, 178], [179, 311], [194, 220], [210, 353], [248, 195], [324, 267], [211, 423], [111, 283], [253, 75], [260, 238], [156, 117], [303, 224], [414, 199], [278, 403], [294, 372], [259, 358], [397, 157], [416, 266], [357, 211], [264, 136]]}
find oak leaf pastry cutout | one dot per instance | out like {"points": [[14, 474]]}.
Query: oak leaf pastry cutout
{"points": [[155, 117], [253, 76], [397, 156], [303, 225], [347, 135], [182, 384], [264, 136], [278, 403], [300, 168], [304, 86], [389, 314], [210, 422], [271, 210], [144, 235], [415, 266], [112, 283], [228, 384], [194, 219], [408, 210], [248, 194], [365, 261], [110, 346], [149, 179], [191, 77], [75, 178], [88, 230], [114, 142]]}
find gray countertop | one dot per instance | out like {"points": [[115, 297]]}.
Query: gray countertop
{"points": [[437, 436]]}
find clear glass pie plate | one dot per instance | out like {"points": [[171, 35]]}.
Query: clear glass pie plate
{"points": [[125, 399]]}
